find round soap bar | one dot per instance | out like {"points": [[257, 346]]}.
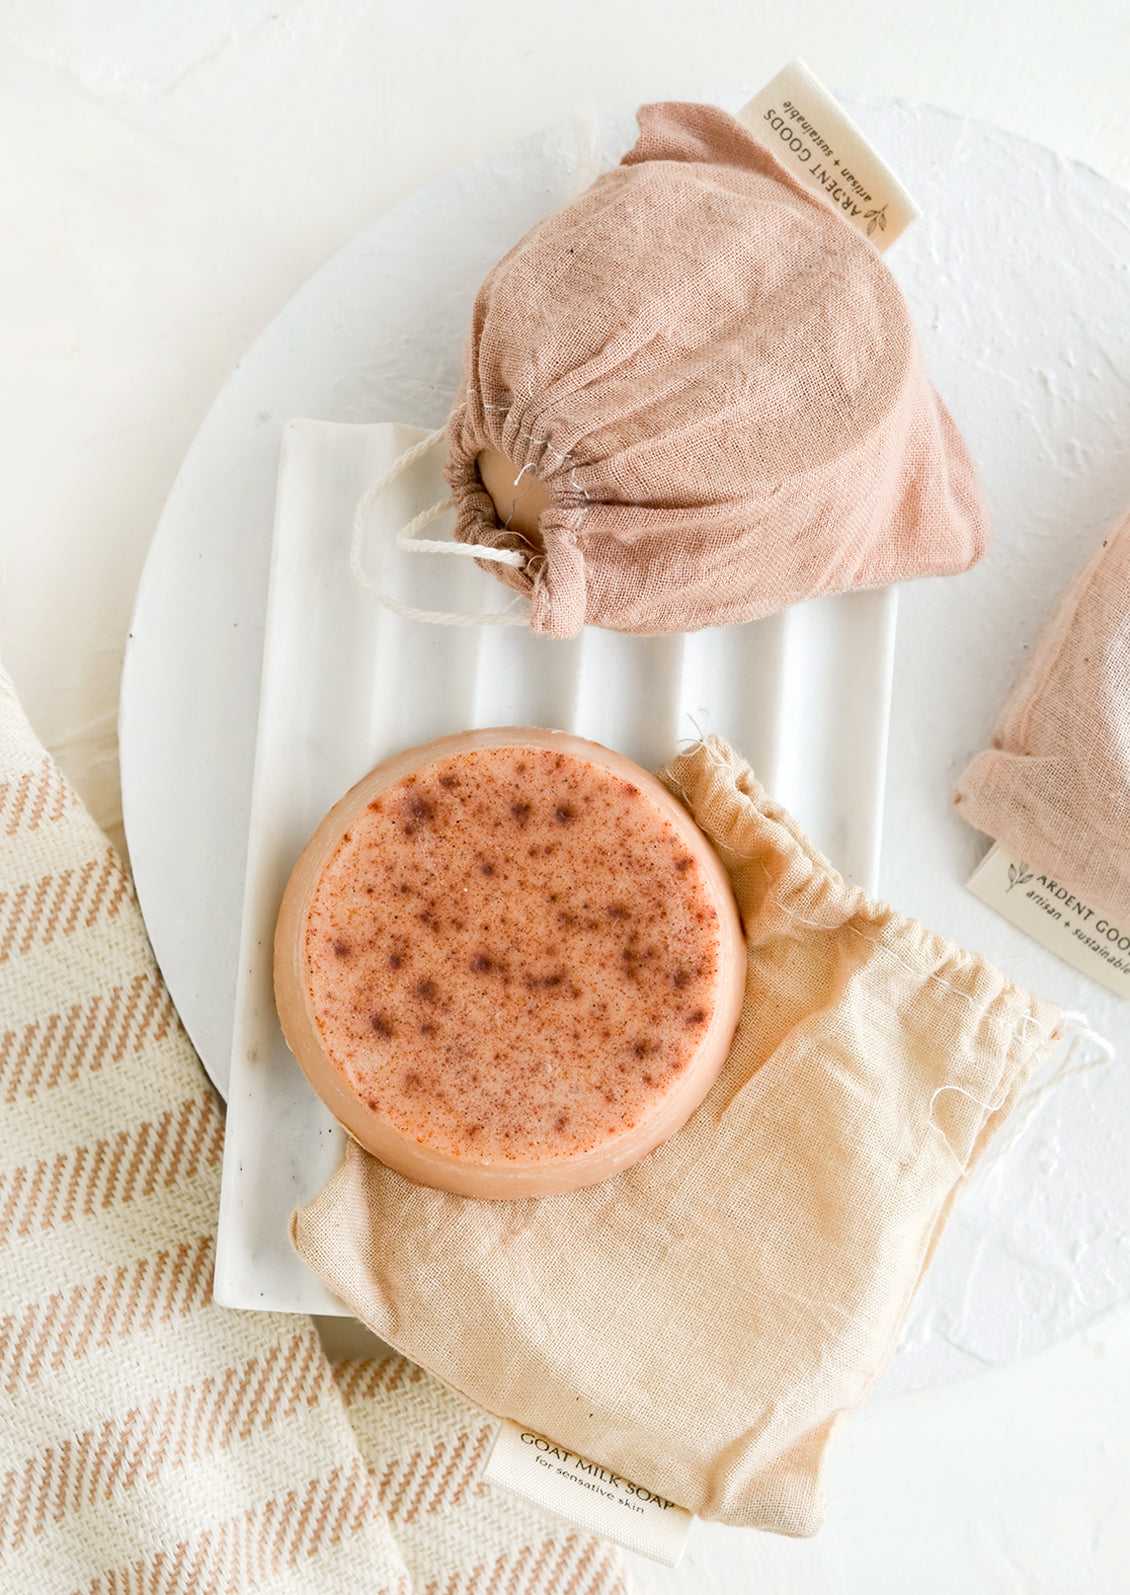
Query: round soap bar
{"points": [[518, 496], [509, 963]]}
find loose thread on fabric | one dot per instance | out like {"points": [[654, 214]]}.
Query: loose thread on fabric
{"points": [[516, 614], [1078, 1034], [580, 492], [687, 743]]}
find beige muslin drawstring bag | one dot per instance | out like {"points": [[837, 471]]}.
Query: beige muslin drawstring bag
{"points": [[1054, 788], [716, 382], [699, 1322]]}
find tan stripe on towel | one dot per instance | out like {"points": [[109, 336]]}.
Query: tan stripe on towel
{"points": [[38, 1195], [39, 795], [256, 1546], [33, 913], [174, 1430], [55, 1050], [63, 1328], [424, 1483]]}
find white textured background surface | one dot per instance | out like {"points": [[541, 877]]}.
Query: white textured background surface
{"points": [[171, 176]]}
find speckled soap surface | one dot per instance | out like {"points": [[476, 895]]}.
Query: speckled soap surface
{"points": [[511, 954]]}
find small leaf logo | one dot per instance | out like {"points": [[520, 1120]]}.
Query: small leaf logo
{"points": [[876, 218], [1017, 875]]}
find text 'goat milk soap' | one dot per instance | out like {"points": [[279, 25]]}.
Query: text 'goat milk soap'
{"points": [[509, 963]]}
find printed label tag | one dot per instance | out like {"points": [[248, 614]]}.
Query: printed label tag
{"points": [[591, 1496], [811, 135], [1078, 932]]}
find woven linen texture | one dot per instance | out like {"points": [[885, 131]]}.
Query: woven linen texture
{"points": [[151, 1442], [425, 1447], [699, 1322], [1054, 788], [717, 381]]}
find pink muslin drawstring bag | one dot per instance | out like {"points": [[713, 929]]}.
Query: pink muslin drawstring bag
{"points": [[716, 382], [1054, 788]]}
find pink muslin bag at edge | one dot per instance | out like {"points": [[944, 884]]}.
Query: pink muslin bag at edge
{"points": [[699, 1323], [716, 380], [1054, 788]]}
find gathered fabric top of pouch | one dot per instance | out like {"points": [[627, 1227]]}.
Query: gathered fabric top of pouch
{"points": [[717, 384]]}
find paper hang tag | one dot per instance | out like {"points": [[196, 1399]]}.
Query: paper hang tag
{"points": [[593, 1497], [1074, 930], [815, 139]]}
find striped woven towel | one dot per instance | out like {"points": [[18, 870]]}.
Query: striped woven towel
{"points": [[152, 1442]]}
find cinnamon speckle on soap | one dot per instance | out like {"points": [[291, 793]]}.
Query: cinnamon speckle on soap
{"points": [[512, 951]]}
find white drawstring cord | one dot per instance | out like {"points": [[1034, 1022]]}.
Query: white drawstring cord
{"points": [[516, 614]]}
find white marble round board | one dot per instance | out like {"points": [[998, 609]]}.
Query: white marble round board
{"points": [[1018, 279]]}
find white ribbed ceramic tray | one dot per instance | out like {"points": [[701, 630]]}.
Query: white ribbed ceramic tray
{"points": [[804, 696]]}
